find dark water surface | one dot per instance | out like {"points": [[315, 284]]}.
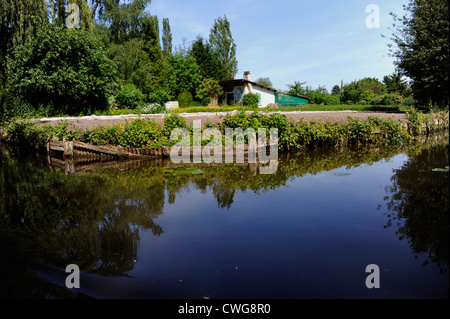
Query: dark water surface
{"points": [[308, 231]]}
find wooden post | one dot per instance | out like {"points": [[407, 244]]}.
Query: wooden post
{"points": [[69, 167], [68, 149]]}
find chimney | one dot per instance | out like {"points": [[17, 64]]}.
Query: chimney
{"points": [[247, 75]]}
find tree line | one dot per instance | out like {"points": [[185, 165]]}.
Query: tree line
{"points": [[114, 56], [393, 90]]}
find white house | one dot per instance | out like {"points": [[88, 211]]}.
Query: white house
{"points": [[234, 90]]}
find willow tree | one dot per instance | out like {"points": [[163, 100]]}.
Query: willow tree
{"points": [[124, 20], [17, 18]]}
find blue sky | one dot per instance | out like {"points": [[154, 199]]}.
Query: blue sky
{"points": [[318, 41]]}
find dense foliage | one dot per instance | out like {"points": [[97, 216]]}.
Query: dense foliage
{"points": [[421, 48], [63, 67], [250, 99], [145, 133], [51, 64]]}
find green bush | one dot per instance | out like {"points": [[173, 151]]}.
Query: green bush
{"points": [[159, 97], [318, 99], [174, 121], [251, 100], [206, 101], [129, 97], [375, 101], [57, 65], [185, 99], [332, 100], [388, 99], [409, 101]]}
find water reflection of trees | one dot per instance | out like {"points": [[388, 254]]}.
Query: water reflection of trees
{"points": [[93, 219], [81, 219], [418, 204]]}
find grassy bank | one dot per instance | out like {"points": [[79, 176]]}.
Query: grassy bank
{"points": [[145, 133]]}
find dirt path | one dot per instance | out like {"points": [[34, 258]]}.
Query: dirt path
{"points": [[89, 122]]}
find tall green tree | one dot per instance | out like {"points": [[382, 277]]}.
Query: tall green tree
{"points": [[183, 74], [124, 20], [133, 42], [132, 63], [17, 19], [166, 38], [207, 60], [152, 46], [421, 47], [223, 45]]}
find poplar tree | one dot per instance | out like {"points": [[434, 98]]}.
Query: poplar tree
{"points": [[166, 38], [222, 43]]}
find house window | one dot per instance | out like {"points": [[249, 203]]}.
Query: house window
{"points": [[238, 93]]}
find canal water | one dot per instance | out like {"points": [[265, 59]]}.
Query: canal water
{"points": [[156, 230]]}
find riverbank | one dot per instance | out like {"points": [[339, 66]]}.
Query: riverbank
{"points": [[296, 130], [93, 121]]}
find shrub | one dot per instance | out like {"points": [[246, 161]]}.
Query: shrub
{"points": [[318, 99], [388, 99], [174, 121], [129, 97], [332, 100], [159, 97], [185, 99], [206, 101], [375, 101], [409, 101], [251, 99], [57, 65]]}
